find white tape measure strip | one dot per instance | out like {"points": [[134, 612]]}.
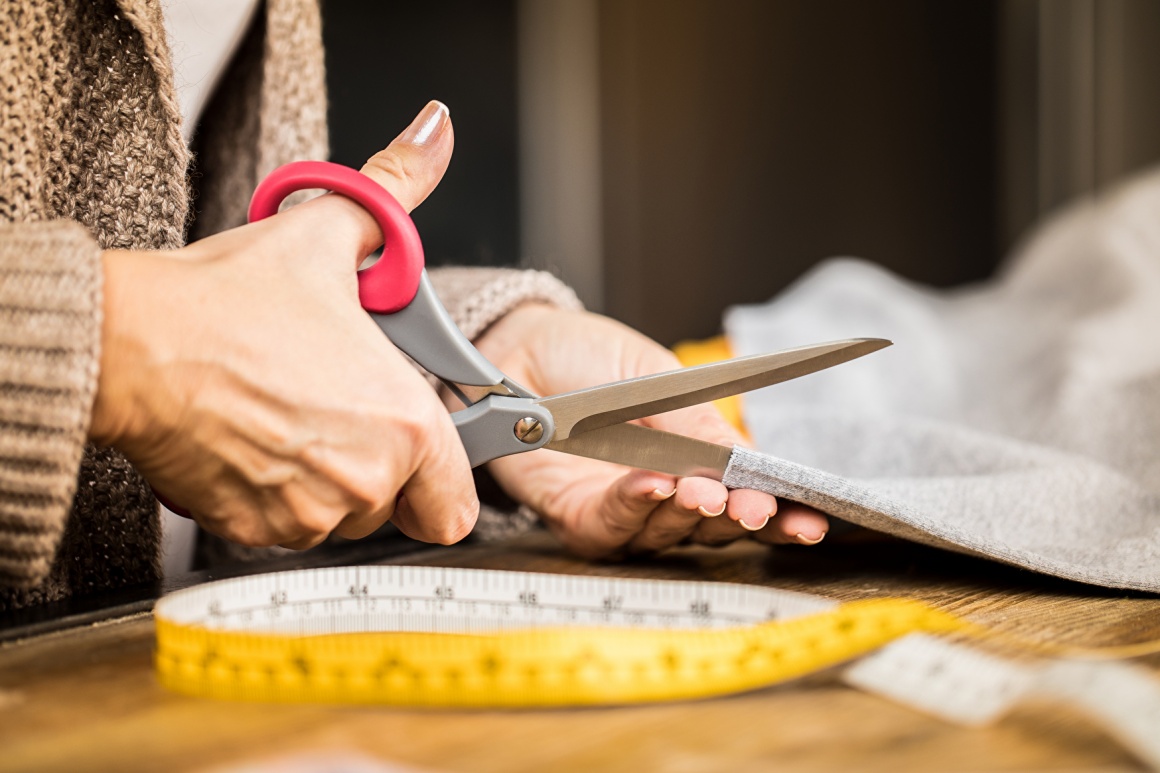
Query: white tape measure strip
{"points": [[354, 599], [962, 685]]}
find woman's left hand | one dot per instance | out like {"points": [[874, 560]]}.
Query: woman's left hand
{"points": [[599, 509]]}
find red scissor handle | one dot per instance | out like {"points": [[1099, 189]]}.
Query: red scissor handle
{"points": [[391, 283]]}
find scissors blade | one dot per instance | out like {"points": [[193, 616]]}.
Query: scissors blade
{"points": [[649, 449], [608, 404]]}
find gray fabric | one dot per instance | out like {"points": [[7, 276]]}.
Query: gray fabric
{"points": [[1018, 420]]}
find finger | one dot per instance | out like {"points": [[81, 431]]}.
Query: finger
{"points": [[300, 517], [704, 496], [621, 514], [414, 163], [233, 513], [245, 525], [409, 169], [440, 504], [750, 513], [719, 531], [746, 512], [304, 543], [795, 524], [752, 510], [693, 500], [357, 525]]}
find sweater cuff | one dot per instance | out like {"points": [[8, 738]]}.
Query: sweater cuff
{"points": [[50, 332], [476, 298]]}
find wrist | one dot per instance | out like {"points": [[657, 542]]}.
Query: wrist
{"points": [[508, 335], [111, 419]]}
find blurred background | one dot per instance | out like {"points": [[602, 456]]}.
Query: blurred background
{"points": [[669, 158]]}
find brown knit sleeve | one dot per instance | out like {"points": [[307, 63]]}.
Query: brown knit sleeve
{"points": [[478, 297], [50, 328]]}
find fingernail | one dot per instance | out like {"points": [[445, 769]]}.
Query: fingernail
{"points": [[755, 525], [661, 496], [707, 514], [428, 125], [804, 540]]}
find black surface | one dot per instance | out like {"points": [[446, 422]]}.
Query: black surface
{"points": [[126, 602]]}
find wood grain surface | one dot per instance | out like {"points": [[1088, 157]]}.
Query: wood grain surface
{"points": [[86, 699]]}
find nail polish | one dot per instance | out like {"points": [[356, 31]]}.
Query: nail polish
{"points": [[804, 540], [755, 527], [708, 514], [428, 125], [661, 496]]}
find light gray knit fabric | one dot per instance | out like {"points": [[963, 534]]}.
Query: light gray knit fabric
{"points": [[1018, 419]]}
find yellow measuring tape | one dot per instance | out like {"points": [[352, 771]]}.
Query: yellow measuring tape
{"points": [[428, 636], [425, 636]]}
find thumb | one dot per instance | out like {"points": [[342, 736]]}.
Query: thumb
{"points": [[703, 422], [414, 163], [409, 169]]}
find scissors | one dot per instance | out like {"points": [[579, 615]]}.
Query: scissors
{"points": [[503, 418]]}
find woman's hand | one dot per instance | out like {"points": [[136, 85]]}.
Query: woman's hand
{"points": [[596, 508], [241, 376]]}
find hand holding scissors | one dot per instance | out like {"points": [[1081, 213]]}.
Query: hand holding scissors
{"points": [[240, 376], [503, 418], [242, 379]]}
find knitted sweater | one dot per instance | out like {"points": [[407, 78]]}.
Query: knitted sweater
{"points": [[92, 158]]}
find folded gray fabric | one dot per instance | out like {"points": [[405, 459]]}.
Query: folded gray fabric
{"points": [[1018, 419]]}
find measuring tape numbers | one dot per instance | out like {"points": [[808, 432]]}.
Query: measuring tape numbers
{"points": [[442, 637]]}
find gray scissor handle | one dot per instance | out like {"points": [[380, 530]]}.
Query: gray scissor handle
{"points": [[426, 332], [495, 426], [492, 427]]}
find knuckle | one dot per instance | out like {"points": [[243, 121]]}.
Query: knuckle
{"points": [[711, 426], [654, 358], [249, 535], [364, 481], [716, 540], [305, 543], [667, 533], [239, 526], [313, 524], [357, 529], [621, 527], [375, 489], [417, 427], [452, 530], [437, 445], [388, 162], [625, 501]]}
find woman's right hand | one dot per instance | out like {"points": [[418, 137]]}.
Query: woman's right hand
{"points": [[241, 376]]}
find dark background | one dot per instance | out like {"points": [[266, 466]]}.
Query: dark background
{"points": [[385, 60], [765, 136], [743, 141]]}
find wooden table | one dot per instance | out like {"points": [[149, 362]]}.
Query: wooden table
{"points": [[85, 699]]}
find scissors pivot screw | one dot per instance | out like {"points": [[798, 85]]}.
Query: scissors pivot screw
{"points": [[529, 430]]}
